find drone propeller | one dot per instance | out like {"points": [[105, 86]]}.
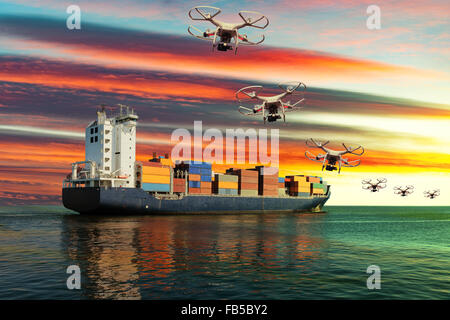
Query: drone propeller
{"points": [[248, 93], [246, 42], [252, 21], [290, 87], [381, 180], [350, 164], [316, 144], [352, 150], [202, 14]]}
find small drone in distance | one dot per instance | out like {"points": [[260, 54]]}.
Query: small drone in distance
{"points": [[403, 191], [331, 157], [432, 194], [273, 106], [226, 31], [374, 186]]}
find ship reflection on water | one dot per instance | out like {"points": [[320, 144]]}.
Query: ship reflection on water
{"points": [[194, 257]]}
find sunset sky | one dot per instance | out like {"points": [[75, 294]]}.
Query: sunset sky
{"points": [[386, 89]]}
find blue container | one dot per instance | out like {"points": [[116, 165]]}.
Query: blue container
{"points": [[194, 170], [205, 178], [198, 164], [205, 172], [280, 179], [157, 187], [194, 184]]}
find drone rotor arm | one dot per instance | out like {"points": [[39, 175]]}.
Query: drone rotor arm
{"points": [[313, 157], [198, 36], [246, 42]]}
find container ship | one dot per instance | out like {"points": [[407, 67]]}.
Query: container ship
{"points": [[110, 180]]}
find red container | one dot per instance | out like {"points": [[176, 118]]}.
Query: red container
{"points": [[179, 188]]}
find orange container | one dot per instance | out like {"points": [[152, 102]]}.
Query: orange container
{"points": [[314, 179], [194, 177], [205, 185], [155, 179], [227, 185], [150, 170]]}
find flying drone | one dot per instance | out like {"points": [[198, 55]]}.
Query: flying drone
{"points": [[374, 186], [432, 194], [226, 31], [404, 191], [331, 157], [271, 108]]}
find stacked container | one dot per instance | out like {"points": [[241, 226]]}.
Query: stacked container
{"points": [[267, 181], [155, 177], [319, 188], [281, 187], [199, 176], [225, 184], [299, 186], [247, 181]]}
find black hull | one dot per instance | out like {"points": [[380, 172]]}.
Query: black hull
{"points": [[122, 201]]}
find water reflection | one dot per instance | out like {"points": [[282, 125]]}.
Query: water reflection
{"points": [[173, 257]]}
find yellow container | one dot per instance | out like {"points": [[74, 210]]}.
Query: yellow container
{"points": [[166, 162], [227, 185], [299, 179], [155, 179], [155, 171], [318, 191]]}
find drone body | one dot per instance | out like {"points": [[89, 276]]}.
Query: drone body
{"points": [[432, 194], [226, 34], [271, 108], [403, 191], [332, 159], [374, 186]]}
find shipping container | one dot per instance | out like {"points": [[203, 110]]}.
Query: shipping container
{"points": [[248, 193], [156, 179], [194, 184], [194, 177], [156, 187], [226, 185], [151, 170]]}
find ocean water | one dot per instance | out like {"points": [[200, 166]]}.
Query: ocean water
{"points": [[267, 256]]}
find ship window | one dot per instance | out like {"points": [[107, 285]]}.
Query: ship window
{"points": [[92, 130], [96, 129], [106, 168], [96, 138], [92, 139]]}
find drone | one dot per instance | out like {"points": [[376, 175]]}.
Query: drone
{"points": [[331, 157], [226, 31], [432, 194], [272, 108], [404, 191], [374, 186]]}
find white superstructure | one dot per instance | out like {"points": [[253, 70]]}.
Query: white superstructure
{"points": [[110, 152]]}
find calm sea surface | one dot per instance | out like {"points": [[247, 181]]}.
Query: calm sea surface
{"points": [[268, 256]]}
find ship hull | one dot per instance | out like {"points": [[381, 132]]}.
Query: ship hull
{"points": [[123, 201]]}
